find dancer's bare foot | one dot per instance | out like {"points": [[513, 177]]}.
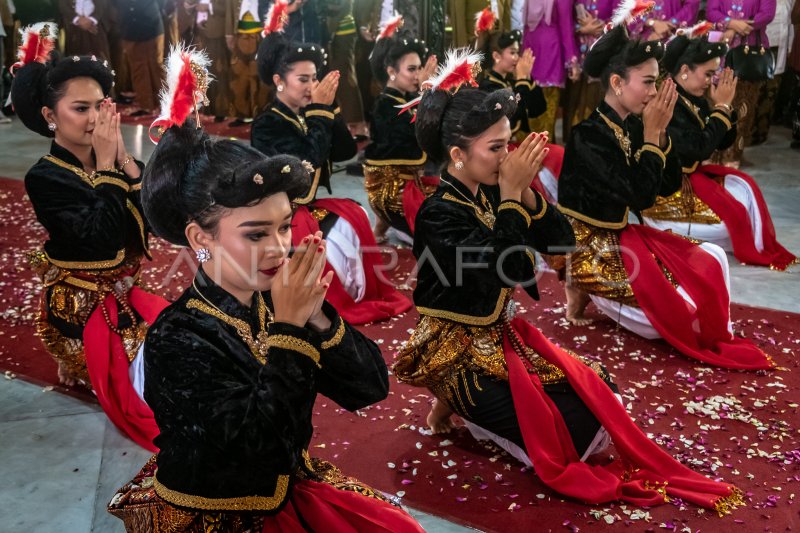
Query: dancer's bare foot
{"points": [[577, 300], [440, 418], [380, 230], [65, 378]]}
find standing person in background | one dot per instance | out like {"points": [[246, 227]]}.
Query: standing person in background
{"points": [[779, 32], [242, 34], [172, 34], [5, 20], [142, 29], [123, 86], [367, 15], [342, 36], [85, 24], [549, 35], [743, 22], [666, 17], [582, 96], [210, 35]]}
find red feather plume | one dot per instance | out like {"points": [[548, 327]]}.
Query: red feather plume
{"points": [[391, 27], [484, 21], [38, 40], [277, 16]]}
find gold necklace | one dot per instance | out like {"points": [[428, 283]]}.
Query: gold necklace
{"points": [[258, 344], [485, 215], [622, 137]]}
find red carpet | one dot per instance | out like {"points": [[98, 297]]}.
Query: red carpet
{"points": [[214, 128], [739, 426]]}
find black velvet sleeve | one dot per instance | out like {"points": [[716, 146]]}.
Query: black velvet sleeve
{"points": [[393, 134], [343, 146], [198, 389], [694, 143], [272, 135], [91, 217], [531, 98], [352, 371], [550, 232]]}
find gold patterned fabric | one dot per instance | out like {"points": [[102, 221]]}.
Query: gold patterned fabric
{"points": [[441, 352], [142, 510], [70, 297], [683, 206], [547, 120], [385, 185]]}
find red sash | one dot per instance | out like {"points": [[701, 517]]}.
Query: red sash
{"points": [[323, 507], [643, 475], [736, 219], [108, 365], [701, 333], [413, 198], [381, 301]]}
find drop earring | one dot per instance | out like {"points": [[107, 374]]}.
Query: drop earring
{"points": [[51, 126], [459, 165], [203, 255]]}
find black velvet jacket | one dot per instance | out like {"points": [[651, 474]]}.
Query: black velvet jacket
{"points": [[94, 222], [318, 135], [394, 140], [599, 184], [234, 431], [697, 131], [531, 98], [467, 267]]}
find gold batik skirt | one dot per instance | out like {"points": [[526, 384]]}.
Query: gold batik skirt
{"points": [[683, 206], [385, 185], [441, 354], [72, 296], [142, 510], [547, 120]]}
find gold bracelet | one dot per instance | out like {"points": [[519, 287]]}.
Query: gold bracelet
{"points": [[128, 159], [726, 106]]}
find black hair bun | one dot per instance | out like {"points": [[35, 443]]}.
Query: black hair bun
{"points": [[684, 51], [36, 85], [390, 50], [276, 53], [615, 47], [192, 177], [445, 119]]}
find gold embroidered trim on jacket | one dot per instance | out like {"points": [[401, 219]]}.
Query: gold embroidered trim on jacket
{"points": [[107, 180], [593, 221], [319, 113], [240, 503], [689, 170], [516, 207], [694, 110], [655, 150], [396, 162], [287, 342], [498, 81], [140, 221], [470, 319], [337, 338], [526, 83], [136, 186], [312, 191], [89, 265], [541, 213], [296, 122], [395, 98], [720, 115]]}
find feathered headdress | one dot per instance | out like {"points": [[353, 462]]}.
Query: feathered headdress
{"points": [[629, 10], [484, 21], [461, 66], [391, 26], [698, 30], [38, 40], [184, 90], [276, 18]]}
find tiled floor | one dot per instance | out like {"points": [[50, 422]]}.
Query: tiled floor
{"points": [[62, 460]]}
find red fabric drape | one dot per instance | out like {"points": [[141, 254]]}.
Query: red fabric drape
{"points": [[413, 198], [700, 333], [381, 300], [326, 508], [736, 219], [108, 365], [642, 472]]}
